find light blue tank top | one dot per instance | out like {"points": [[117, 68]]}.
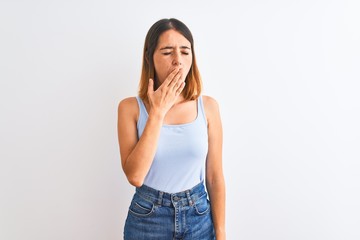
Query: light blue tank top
{"points": [[179, 162]]}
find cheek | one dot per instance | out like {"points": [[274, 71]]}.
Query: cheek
{"points": [[189, 62], [186, 72], [188, 66], [161, 67]]}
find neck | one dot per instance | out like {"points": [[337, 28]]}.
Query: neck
{"points": [[179, 100]]}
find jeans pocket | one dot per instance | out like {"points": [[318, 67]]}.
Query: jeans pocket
{"points": [[141, 207], [202, 206]]}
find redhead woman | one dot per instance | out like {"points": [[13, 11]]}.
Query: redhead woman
{"points": [[170, 139]]}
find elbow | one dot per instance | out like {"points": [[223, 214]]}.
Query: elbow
{"points": [[215, 180], [136, 182], [134, 177]]}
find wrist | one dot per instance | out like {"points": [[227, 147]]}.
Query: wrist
{"points": [[220, 234], [156, 116]]}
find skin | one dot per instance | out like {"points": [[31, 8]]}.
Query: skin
{"points": [[172, 60]]}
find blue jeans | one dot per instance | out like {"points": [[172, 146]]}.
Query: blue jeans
{"points": [[163, 216]]}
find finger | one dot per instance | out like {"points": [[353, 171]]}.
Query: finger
{"points": [[178, 83], [180, 88], [151, 86], [171, 76], [175, 80]]}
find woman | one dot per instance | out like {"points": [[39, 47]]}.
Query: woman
{"points": [[170, 139]]}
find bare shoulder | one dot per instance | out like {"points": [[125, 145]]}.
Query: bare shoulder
{"points": [[211, 108], [128, 106], [128, 102], [210, 104]]}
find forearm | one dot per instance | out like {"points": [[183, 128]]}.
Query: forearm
{"points": [[216, 189], [140, 159]]}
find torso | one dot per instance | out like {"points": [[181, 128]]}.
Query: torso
{"points": [[182, 147]]}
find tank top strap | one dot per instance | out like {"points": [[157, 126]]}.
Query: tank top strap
{"points": [[141, 106], [143, 115], [201, 109]]}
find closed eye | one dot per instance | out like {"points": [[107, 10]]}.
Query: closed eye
{"points": [[168, 53]]}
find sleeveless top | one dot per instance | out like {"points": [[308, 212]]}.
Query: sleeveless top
{"points": [[179, 162]]}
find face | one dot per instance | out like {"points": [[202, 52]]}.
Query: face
{"points": [[173, 50]]}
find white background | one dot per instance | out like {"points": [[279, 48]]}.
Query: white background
{"points": [[286, 76]]}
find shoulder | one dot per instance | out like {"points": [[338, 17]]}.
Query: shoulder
{"points": [[127, 102], [128, 106], [210, 104], [211, 108]]}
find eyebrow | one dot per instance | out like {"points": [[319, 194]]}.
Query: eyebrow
{"points": [[169, 47]]}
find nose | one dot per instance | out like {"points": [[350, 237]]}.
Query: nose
{"points": [[177, 61]]}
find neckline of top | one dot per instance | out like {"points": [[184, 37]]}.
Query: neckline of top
{"points": [[181, 124]]}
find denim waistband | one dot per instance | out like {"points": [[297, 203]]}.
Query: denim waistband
{"points": [[184, 198]]}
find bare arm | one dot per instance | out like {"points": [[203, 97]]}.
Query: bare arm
{"points": [[138, 154], [215, 182]]}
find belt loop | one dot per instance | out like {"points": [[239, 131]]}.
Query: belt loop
{"points": [[189, 197], [160, 197]]}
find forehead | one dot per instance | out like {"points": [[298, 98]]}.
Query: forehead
{"points": [[172, 38]]}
